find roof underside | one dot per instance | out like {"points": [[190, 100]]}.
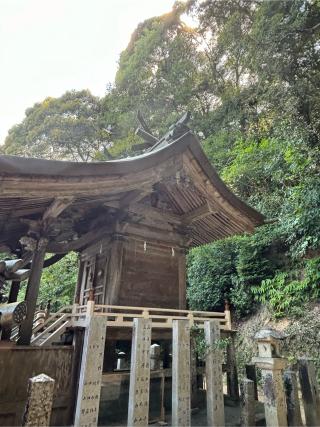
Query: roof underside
{"points": [[172, 189]]}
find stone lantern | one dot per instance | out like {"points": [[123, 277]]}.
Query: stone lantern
{"points": [[272, 365]]}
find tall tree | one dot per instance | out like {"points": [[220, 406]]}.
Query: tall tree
{"points": [[68, 128]]}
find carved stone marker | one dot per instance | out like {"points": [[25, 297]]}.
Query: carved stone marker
{"points": [[87, 409], [247, 403], [181, 401], [215, 404], [272, 366], [39, 403], [293, 406], [138, 409], [310, 392]]}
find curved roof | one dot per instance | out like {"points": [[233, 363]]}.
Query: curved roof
{"points": [[179, 172]]}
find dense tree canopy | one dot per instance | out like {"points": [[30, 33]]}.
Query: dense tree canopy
{"points": [[67, 128]]}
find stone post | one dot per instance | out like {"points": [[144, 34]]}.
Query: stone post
{"points": [[88, 399], [252, 375], [247, 403], [138, 408], [215, 403], [121, 361], [232, 373], [181, 400], [272, 366], [292, 398], [155, 350], [193, 373], [310, 392], [39, 402]]}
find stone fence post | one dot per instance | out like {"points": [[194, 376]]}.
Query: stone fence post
{"points": [[39, 402], [272, 366], [293, 406], [215, 402], [247, 403], [181, 396], [310, 391]]}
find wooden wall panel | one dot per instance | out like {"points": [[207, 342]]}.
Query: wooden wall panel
{"points": [[150, 275]]}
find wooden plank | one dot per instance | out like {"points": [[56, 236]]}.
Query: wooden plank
{"points": [[197, 213], [114, 271]]}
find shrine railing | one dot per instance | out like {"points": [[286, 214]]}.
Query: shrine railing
{"points": [[122, 316], [48, 331]]}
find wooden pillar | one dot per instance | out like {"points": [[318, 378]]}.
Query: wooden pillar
{"points": [[247, 403], [232, 372], [292, 399], [138, 408], [88, 399], [114, 270], [310, 391], [215, 403], [39, 402], [77, 292], [33, 290], [182, 279], [14, 291], [181, 405]]}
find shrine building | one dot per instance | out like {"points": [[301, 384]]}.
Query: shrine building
{"points": [[131, 221]]}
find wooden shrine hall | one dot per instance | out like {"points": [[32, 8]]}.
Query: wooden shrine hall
{"points": [[132, 222]]}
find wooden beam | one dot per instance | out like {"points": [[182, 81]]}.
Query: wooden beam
{"points": [[155, 213], [74, 245], [56, 208], [197, 213]]}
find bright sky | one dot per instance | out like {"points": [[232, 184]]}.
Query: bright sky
{"points": [[50, 46]]}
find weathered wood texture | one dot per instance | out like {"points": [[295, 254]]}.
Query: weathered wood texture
{"points": [[32, 291], [87, 408], [215, 404], [138, 408], [150, 276], [181, 399]]}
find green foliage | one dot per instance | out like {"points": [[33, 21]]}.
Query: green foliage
{"points": [[228, 269], [57, 283], [68, 128], [202, 348], [287, 293], [211, 270], [249, 72]]}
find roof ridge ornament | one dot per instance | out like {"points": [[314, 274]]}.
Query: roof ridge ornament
{"points": [[176, 130]]}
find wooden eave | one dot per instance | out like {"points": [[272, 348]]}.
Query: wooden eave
{"points": [[201, 206]]}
